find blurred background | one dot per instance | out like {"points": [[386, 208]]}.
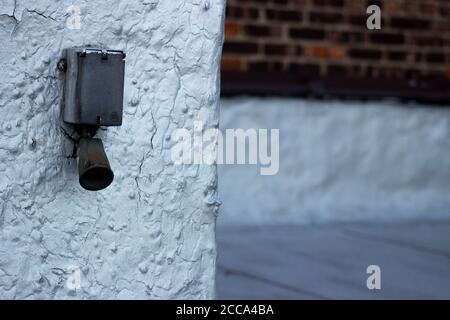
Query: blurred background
{"points": [[364, 175]]}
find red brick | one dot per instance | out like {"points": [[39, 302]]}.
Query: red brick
{"points": [[264, 66], [305, 69], [241, 47], [230, 64], [427, 41], [409, 23], [331, 3], [324, 52], [428, 8], [231, 29], [444, 10], [393, 6], [443, 25], [326, 17], [365, 54], [242, 12], [345, 37], [397, 55], [284, 15], [330, 36], [387, 38], [276, 49], [447, 72], [436, 57], [262, 30], [307, 33]]}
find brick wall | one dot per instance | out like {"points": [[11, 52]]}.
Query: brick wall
{"points": [[324, 47]]}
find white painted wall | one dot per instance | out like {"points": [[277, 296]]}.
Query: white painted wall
{"points": [[340, 161], [151, 233]]}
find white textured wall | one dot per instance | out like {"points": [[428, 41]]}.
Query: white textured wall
{"points": [[340, 161], [151, 233]]}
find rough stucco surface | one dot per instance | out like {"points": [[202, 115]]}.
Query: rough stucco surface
{"points": [[151, 233], [340, 161]]}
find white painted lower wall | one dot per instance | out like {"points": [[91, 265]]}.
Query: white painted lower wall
{"points": [[151, 234], [340, 161]]}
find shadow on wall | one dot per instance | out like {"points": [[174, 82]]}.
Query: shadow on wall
{"points": [[340, 161]]}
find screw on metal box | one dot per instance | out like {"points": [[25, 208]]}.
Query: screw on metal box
{"points": [[93, 97]]}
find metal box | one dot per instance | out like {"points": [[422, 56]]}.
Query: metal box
{"points": [[93, 90]]}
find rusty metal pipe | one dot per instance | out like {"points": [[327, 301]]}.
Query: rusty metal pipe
{"points": [[93, 166]]}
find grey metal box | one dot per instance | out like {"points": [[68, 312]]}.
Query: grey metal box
{"points": [[93, 90]]}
